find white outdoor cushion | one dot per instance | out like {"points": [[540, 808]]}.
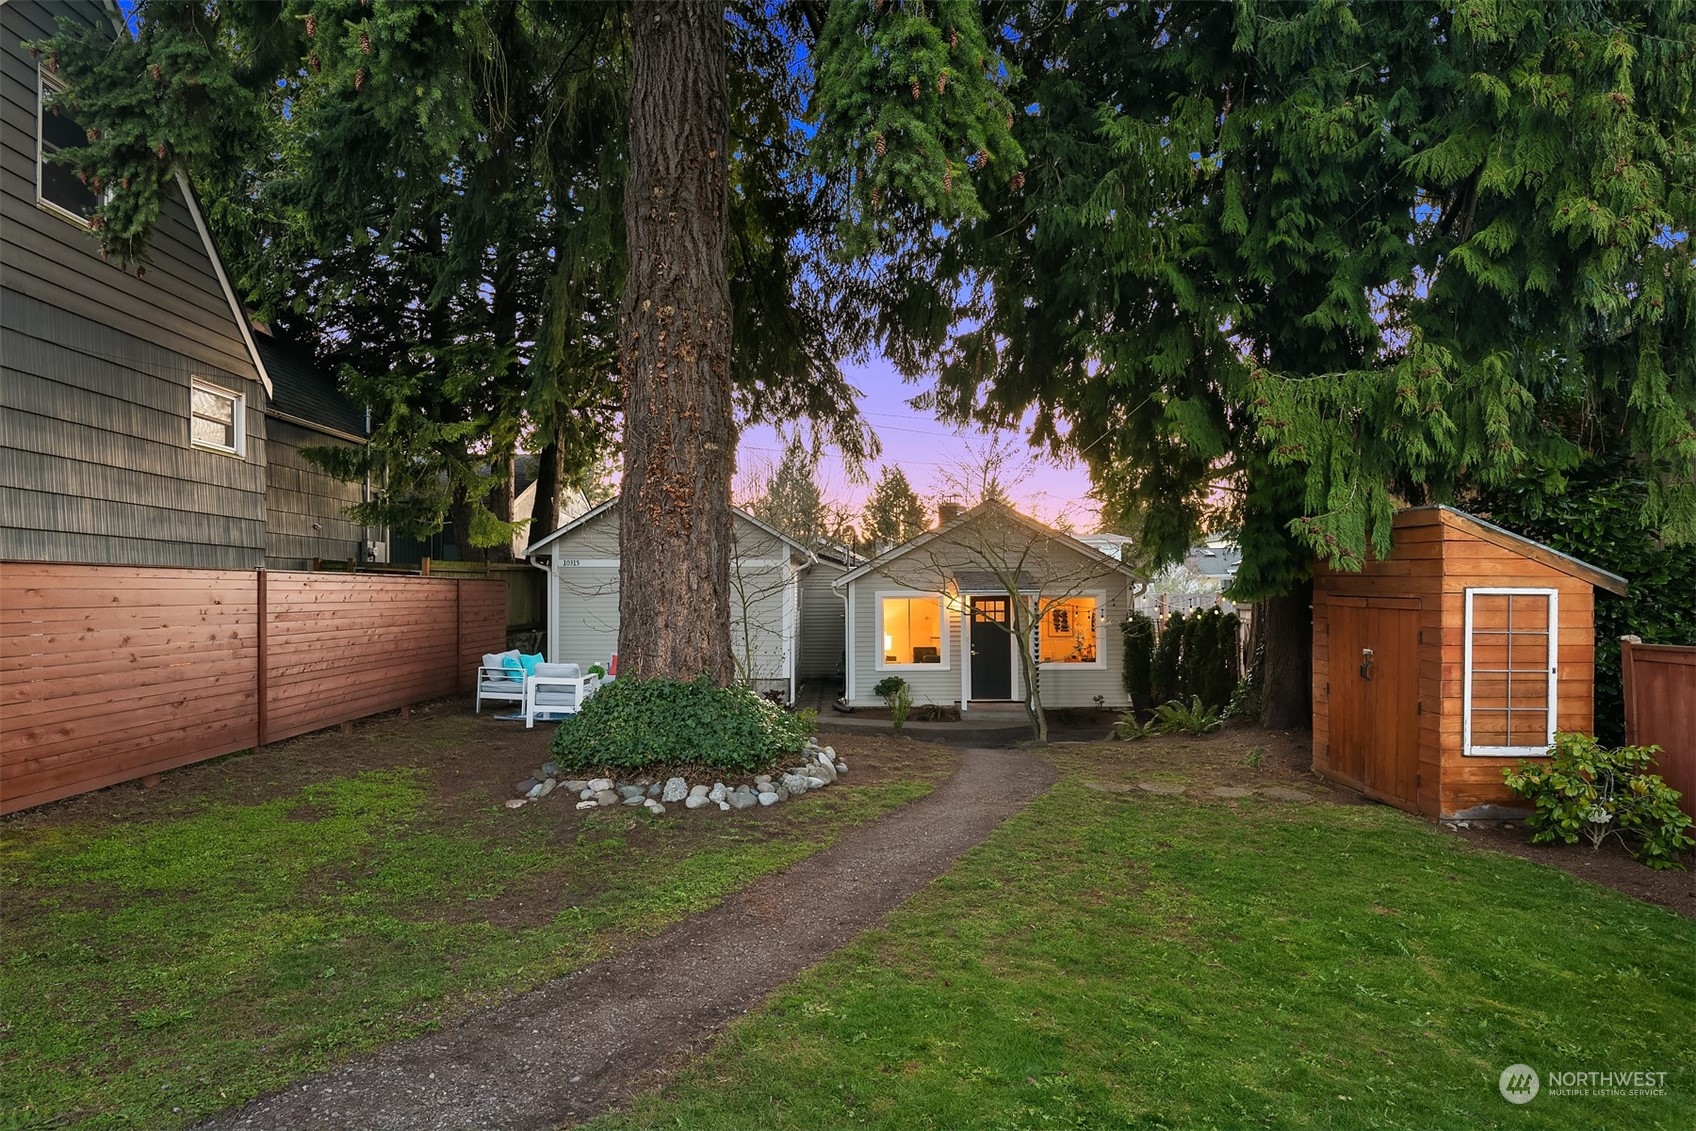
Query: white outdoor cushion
{"points": [[560, 671]]}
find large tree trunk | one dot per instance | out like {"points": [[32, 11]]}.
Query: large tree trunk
{"points": [[1286, 689], [550, 476], [674, 352]]}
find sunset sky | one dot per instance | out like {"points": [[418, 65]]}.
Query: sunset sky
{"points": [[925, 449]]}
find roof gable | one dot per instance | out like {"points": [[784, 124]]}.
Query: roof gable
{"points": [[1519, 544], [796, 549], [987, 509]]}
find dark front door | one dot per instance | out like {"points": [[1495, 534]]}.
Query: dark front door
{"points": [[992, 649]]}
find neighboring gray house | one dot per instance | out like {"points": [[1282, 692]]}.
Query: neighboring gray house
{"points": [[824, 639], [931, 610], [135, 411], [581, 559]]}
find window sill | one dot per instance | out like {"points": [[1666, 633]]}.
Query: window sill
{"points": [[216, 451]]}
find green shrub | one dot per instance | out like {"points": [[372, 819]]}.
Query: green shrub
{"points": [[1586, 789], [893, 690], [631, 724], [1167, 654], [1172, 717], [1139, 662]]}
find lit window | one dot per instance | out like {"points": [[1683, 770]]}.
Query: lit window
{"points": [[57, 183], [216, 419], [912, 630], [1510, 671], [1068, 632]]}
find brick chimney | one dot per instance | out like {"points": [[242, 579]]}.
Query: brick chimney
{"points": [[947, 511]]}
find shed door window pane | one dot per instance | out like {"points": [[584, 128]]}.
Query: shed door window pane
{"points": [[912, 630], [1068, 632], [1509, 675], [60, 132], [216, 421]]}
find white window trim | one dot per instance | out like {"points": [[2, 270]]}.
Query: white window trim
{"points": [[44, 83], [877, 631], [239, 416], [1100, 660], [1466, 747]]}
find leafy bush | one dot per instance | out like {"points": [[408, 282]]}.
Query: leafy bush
{"points": [[1586, 789], [630, 724], [893, 690], [1139, 662], [1172, 717]]}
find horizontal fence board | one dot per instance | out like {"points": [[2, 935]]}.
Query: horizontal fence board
{"points": [[112, 673]]}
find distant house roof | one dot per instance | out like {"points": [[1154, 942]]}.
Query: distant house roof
{"points": [[796, 549], [302, 391]]}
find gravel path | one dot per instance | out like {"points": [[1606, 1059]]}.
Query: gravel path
{"points": [[586, 1042]]}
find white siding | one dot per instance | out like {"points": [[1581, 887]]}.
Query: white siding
{"points": [[823, 622], [1062, 569]]}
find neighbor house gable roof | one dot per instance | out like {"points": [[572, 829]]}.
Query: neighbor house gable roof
{"points": [[982, 510], [593, 513], [304, 393]]}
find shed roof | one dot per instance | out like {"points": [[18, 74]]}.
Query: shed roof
{"points": [[796, 549], [1518, 543]]}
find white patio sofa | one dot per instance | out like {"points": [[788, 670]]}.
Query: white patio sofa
{"points": [[556, 690]]}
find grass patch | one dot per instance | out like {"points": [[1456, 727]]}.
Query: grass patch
{"points": [[1133, 961], [162, 968]]}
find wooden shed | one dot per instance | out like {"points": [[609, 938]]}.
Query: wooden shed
{"points": [[1461, 652]]}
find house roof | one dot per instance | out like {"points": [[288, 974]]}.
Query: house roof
{"points": [[1518, 543], [987, 507], [587, 516], [303, 392]]}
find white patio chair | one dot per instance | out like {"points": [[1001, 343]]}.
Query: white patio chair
{"points": [[556, 690], [497, 682]]}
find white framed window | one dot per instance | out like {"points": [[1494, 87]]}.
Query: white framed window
{"points": [[217, 418], [1510, 662], [911, 632], [56, 186], [1069, 633]]}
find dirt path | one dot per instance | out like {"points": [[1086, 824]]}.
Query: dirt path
{"points": [[585, 1043]]}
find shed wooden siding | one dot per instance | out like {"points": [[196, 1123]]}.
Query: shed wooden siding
{"points": [[300, 495], [823, 623], [95, 459], [113, 672], [1435, 558]]}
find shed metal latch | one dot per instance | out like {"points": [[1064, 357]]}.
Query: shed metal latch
{"points": [[1366, 663]]}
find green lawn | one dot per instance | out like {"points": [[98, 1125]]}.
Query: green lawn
{"points": [[1127, 960], [157, 970]]}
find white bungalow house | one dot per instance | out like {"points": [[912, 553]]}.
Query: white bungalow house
{"points": [[936, 611], [766, 576]]}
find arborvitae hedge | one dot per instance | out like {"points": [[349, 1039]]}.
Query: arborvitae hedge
{"points": [[1196, 656], [1139, 662]]}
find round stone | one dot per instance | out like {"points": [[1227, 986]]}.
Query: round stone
{"points": [[769, 798], [515, 803]]}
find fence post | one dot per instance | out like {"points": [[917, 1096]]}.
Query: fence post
{"points": [[262, 722], [1627, 679], [459, 637]]}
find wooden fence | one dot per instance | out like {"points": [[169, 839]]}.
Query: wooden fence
{"points": [[111, 673], [1660, 709]]}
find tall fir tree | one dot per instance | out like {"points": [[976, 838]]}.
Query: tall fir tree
{"points": [[791, 501], [893, 514]]}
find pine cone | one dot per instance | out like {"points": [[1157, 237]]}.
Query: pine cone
{"points": [[942, 80], [879, 146], [95, 223], [947, 179], [983, 158], [92, 134], [953, 37], [161, 151], [124, 183], [877, 197], [364, 43], [53, 64], [141, 272], [311, 25], [82, 176], [1016, 182], [96, 184], [156, 72], [312, 61], [359, 79], [915, 90]]}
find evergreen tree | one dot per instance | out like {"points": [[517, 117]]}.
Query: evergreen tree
{"points": [[893, 513], [791, 501]]}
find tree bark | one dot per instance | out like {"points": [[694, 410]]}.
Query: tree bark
{"points": [[550, 475], [674, 352], [1286, 690]]}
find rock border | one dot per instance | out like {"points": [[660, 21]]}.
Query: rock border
{"points": [[819, 767]]}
